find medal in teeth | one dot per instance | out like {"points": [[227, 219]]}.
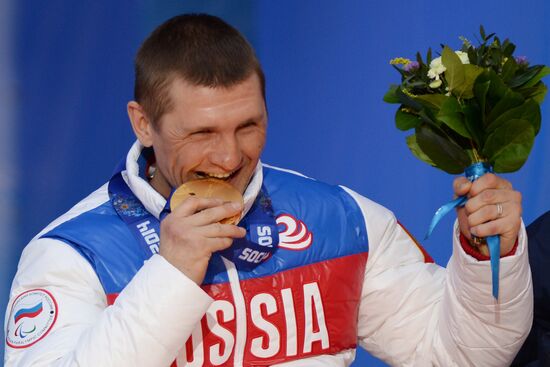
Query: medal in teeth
{"points": [[209, 188]]}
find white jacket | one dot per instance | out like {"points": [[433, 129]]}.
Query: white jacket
{"points": [[411, 313]]}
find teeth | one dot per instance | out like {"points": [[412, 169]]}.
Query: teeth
{"points": [[217, 175]]}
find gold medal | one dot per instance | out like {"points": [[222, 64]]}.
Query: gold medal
{"points": [[208, 188]]}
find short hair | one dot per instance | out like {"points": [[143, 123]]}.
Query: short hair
{"points": [[200, 48]]}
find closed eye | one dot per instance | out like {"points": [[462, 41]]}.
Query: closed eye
{"points": [[248, 124], [201, 132]]}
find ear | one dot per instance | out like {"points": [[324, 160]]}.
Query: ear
{"points": [[140, 123]]}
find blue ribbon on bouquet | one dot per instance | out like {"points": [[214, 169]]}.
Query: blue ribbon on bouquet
{"points": [[472, 173]]}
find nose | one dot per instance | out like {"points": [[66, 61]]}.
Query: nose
{"points": [[226, 153]]}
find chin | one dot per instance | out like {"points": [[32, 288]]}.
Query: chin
{"points": [[241, 182]]}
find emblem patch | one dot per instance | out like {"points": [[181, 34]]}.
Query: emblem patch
{"points": [[293, 233], [32, 316]]}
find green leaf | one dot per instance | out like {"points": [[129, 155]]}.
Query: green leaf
{"points": [[451, 114], [539, 92], [509, 69], [526, 76], [429, 56], [541, 74], [416, 151], [495, 55], [472, 55], [433, 101], [441, 150], [509, 146], [508, 48], [405, 121], [497, 88], [480, 92], [406, 100], [419, 58], [428, 116], [528, 111], [455, 73], [473, 119], [466, 89], [510, 100], [390, 96]]}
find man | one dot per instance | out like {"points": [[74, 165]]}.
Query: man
{"points": [[536, 350], [123, 279]]}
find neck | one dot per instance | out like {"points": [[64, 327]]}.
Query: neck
{"points": [[159, 183]]}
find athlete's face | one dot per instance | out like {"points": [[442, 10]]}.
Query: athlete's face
{"points": [[210, 132]]}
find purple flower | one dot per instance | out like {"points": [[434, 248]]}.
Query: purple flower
{"points": [[411, 66], [522, 60]]}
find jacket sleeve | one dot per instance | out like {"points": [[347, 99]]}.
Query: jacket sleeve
{"points": [[143, 327], [415, 313]]}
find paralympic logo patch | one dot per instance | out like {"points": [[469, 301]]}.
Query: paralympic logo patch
{"points": [[32, 316], [294, 234]]}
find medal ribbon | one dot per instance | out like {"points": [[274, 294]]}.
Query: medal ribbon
{"points": [[262, 234], [139, 221], [472, 173]]}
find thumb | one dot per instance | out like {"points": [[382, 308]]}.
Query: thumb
{"points": [[461, 186]]}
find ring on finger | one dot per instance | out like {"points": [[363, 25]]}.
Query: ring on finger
{"points": [[499, 210]]}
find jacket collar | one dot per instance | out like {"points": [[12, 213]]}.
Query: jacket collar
{"points": [[155, 202]]}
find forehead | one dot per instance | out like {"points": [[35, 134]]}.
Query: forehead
{"points": [[202, 105]]}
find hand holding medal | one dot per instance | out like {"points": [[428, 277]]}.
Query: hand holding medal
{"points": [[208, 188], [261, 238], [201, 222]]}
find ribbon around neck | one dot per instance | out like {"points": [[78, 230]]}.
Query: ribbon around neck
{"points": [[472, 173], [262, 233]]}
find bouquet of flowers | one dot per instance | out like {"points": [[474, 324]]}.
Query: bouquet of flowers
{"points": [[475, 110], [478, 104]]}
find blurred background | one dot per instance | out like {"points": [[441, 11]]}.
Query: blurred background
{"points": [[66, 74]]}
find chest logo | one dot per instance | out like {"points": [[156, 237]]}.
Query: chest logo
{"points": [[293, 233]]}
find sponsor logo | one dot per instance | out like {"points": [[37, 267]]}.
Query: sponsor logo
{"points": [[149, 235], [32, 316], [261, 235], [294, 234]]}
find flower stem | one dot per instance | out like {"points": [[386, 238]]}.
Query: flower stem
{"points": [[474, 155]]}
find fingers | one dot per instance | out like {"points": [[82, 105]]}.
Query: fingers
{"points": [[203, 211], [216, 214], [489, 181], [497, 226], [493, 208], [192, 205], [218, 244], [218, 230], [490, 198], [193, 232], [485, 203], [462, 186]]}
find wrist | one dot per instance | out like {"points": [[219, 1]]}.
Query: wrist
{"points": [[477, 248]]}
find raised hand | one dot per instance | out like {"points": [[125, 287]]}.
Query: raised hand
{"points": [[493, 208], [192, 232]]}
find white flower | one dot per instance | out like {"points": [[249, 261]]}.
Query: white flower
{"points": [[437, 68], [463, 57], [436, 83]]}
